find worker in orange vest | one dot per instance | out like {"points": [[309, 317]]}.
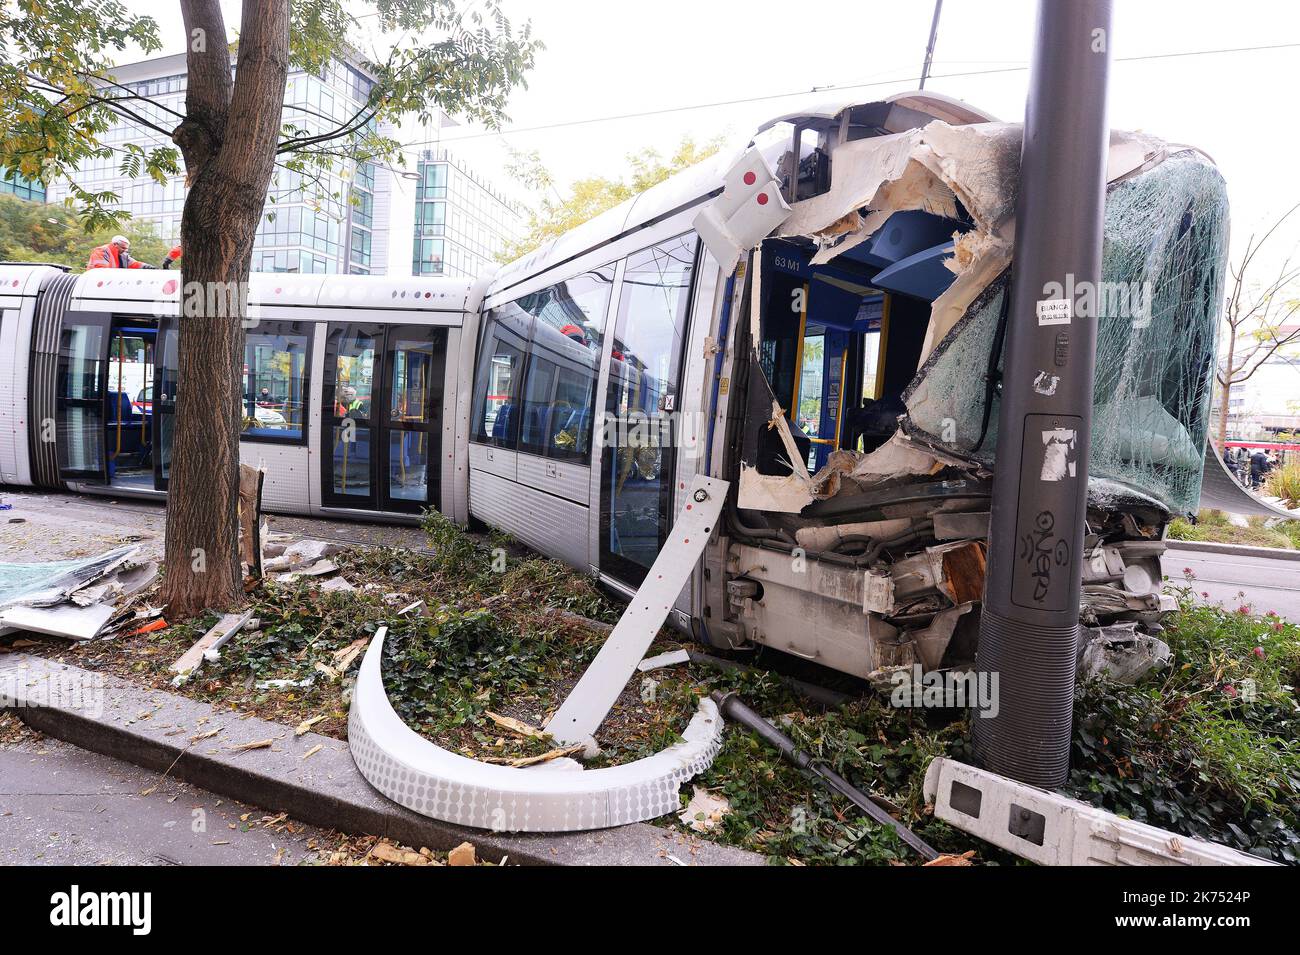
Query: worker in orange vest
{"points": [[171, 257], [115, 255]]}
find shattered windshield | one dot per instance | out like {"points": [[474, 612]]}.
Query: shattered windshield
{"points": [[1166, 233]]}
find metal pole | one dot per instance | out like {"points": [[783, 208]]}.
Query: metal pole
{"points": [[1030, 620], [929, 47]]}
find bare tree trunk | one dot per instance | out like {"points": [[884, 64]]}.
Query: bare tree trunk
{"points": [[229, 138], [1227, 390]]}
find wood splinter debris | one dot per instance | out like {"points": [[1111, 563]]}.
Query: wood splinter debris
{"points": [[305, 725], [549, 755], [258, 744], [515, 726]]}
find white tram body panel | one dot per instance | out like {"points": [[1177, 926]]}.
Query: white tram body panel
{"points": [[316, 330]]}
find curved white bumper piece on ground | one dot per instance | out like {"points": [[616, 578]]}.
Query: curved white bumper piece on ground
{"points": [[432, 781]]}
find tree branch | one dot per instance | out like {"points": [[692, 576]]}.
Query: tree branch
{"points": [[208, 84]]}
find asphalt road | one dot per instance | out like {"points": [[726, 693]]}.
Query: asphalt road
{"points": [[60, 805], [1231, 580]]}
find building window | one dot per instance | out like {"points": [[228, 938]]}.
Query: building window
{"points": [[433, 181], [22, 188], [428, 257], [430, 218], [276, 383]]}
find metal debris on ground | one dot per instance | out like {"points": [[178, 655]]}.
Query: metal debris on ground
{"points": [[1121, 653], [210, 643], [671, 658]]}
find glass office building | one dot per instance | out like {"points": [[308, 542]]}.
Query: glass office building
{"points": [[314, 222], [462, 224]]}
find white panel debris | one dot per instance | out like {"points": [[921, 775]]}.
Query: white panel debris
{"points": [[659, 661], [435, 782], [590, 701], [210, 643], [71, 598], [1053, 830]]}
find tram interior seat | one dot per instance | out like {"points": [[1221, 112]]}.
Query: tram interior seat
{"points": [[133, 429]]}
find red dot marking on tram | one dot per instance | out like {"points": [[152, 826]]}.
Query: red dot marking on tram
{"points": [[750, 178], [762, 198]]}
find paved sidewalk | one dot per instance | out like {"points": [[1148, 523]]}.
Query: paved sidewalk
{"points": [[60, 805]]}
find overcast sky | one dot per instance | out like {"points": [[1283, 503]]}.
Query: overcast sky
{"points": [[607, 59]]}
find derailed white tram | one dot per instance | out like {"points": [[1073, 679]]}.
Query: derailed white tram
{"points": [[816, 318]]}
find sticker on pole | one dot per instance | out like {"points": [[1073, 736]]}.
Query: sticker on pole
{"points": [[1054, 311]]}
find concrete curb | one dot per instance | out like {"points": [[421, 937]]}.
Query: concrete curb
{"points": [[1235, 550], [158, 730]]}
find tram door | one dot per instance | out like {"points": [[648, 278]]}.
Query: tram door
{"points": [[129, 404], [111, 376], [382, 406], [79, 397]]}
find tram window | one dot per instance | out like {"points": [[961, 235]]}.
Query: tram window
{"points": [[276, 381], [564, 363], [354, 375], [871, 364], [645, 367], [496, 381]]}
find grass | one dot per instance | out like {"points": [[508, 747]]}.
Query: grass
{"points": [[1214, 526], [1284, 482], [1208, 748]]}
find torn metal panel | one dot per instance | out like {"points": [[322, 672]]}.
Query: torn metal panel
{"points": [[815, 610], [128, 579], [932, 641], [1120, 653]]}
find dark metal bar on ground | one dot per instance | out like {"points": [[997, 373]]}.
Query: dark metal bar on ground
{"points": [[732, 708]]}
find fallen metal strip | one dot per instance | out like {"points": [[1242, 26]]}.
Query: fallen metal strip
{"points": [[434, 782], [590, 701], [1054, 830], [214, 639]]}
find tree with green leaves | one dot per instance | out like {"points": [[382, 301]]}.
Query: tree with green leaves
{"points": [[553, 215], [36, 232], [59, 99]]}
